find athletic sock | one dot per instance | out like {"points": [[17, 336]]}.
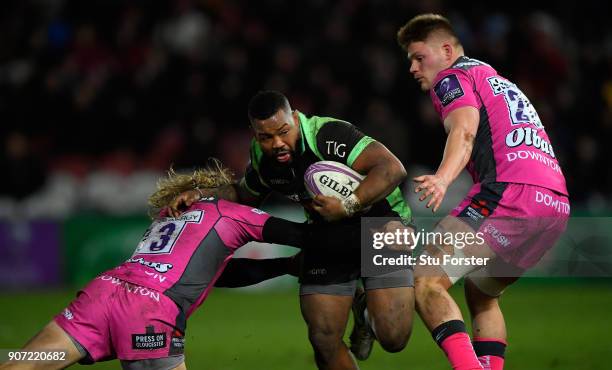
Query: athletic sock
{"points": [[490, 352], [454, 340]]}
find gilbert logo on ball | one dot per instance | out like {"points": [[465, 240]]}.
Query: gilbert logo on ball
{"points": [[332, 179]]}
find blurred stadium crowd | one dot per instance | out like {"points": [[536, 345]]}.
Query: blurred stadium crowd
{"points": [[99, 97]]}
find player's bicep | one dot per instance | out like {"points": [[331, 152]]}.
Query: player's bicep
{"points": [[464, 119], [373, 155]]}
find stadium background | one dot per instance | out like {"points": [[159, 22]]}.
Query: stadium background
{"points": [[98, 98]]}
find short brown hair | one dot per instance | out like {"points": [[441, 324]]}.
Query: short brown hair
{"points": [[420, 27]]}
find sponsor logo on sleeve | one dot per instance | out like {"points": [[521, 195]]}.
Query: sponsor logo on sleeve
{"points": [[448, 89], [335, 148]]}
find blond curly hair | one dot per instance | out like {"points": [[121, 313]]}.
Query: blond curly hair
{"points": [[213, 176]]}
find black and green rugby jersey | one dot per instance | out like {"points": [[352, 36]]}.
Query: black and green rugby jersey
{"points": [[322, 139]]}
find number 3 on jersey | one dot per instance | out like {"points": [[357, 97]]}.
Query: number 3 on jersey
{"points": [[161, 236]]}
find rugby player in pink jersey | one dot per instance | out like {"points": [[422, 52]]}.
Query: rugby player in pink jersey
{"points": [[495, 133], [137, 312]]}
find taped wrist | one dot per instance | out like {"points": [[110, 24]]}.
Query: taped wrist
{"points": [[351, 205]]}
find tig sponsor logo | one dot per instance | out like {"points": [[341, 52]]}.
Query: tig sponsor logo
{"points": [[528, 136], [549, 201], [343, 190], [333, 148], [497, 235], [157, 266]]}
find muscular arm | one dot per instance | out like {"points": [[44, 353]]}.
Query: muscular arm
{"points": [[461, 126], [383, 173], [241, 272]]}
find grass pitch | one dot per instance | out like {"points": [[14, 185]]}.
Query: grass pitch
{"points": [[551, 324]]}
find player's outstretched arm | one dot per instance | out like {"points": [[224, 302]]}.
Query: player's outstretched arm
{"points": [[241, 272], [461, 125], [311, 236]]}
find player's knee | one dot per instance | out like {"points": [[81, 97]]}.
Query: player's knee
{"points": [[325, 341], [394, 335], [394, 341], [427, 287]]}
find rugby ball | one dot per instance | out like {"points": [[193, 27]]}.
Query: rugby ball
{"points": [[332, 179]]}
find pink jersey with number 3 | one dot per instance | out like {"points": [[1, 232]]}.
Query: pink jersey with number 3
{"points": [[183, 256], [511, 144], [138, 310]]}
